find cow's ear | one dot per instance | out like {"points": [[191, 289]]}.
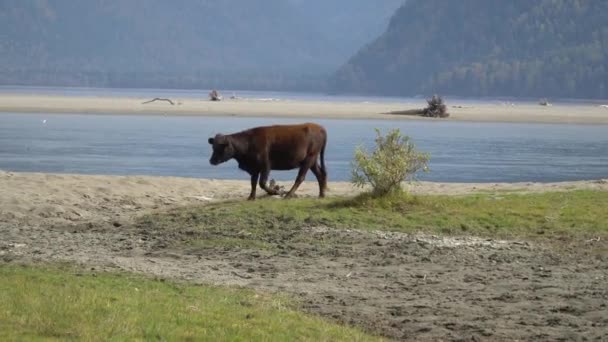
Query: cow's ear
{"points": [[210, 141]]}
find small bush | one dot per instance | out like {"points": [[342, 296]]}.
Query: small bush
{"points": [[436, 108], [395, 160]]}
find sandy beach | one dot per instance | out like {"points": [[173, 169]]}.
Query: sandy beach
{"points": [[461, 111]]}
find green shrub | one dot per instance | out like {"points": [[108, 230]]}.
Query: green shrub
{"points": [[394, 160]]}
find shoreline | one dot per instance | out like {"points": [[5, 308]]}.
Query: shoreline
{"points": [[460, 111], [59, 199]]}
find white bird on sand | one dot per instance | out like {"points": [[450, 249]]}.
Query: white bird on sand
{"points": [[44, 121]]}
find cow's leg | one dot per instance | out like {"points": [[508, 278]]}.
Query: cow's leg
{"points": [[254, 184], [263, 179], [301, 176], [321, 178]]}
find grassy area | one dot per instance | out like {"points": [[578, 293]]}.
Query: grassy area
{"points": [[575, 214], [60, 304]]}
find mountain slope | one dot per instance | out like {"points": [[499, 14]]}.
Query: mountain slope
{"points": [[486, 48]]}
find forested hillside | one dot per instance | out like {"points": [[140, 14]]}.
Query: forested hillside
{"points": [[187, 43], [525, 48]]}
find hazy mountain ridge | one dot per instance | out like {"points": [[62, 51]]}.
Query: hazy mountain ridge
{"points": [[486, 48], [253, 43]]}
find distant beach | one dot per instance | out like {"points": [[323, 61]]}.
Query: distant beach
{"points": [[475, 111]]}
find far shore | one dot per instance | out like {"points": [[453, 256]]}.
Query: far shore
{"points": [[461, 111]]}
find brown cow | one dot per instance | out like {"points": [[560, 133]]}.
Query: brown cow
{"points": [[281, 147]]}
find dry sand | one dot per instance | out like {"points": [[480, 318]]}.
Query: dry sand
{"points": [[461, 111], [407, 287]]}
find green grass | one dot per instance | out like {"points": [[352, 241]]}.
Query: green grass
{"points": [[58, 303], [243, 224]]}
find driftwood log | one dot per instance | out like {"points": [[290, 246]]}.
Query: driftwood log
{"points": [[159, 99]]}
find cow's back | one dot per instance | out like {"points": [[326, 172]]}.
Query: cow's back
{"points": [[287, 146]]}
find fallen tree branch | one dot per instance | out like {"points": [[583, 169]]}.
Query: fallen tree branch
{"points": [[435, 109], [159, 99]]}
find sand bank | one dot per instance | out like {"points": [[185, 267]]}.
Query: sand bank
{"points": [[461, 111]]}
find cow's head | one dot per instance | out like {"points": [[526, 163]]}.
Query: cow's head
{"points": [[222, 149]]}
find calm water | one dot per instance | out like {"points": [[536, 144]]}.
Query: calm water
{"points": [[177, 146]]}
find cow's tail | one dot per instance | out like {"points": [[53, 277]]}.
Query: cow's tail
{"points": [[322, 157]]}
